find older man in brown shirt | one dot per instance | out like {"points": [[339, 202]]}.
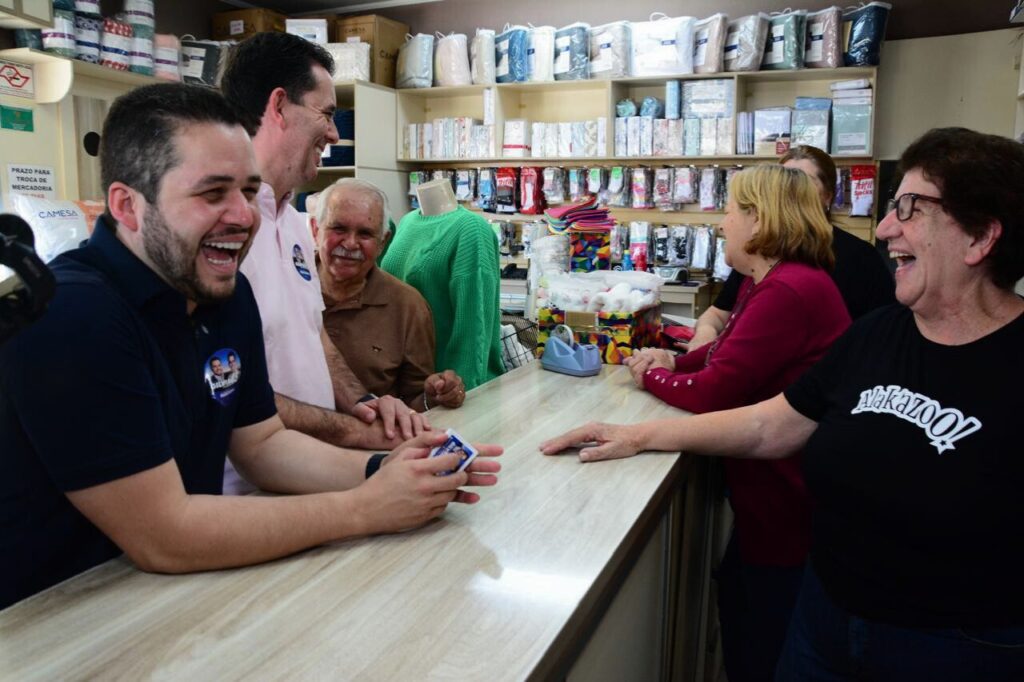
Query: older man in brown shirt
{"points": [[380, 324]]}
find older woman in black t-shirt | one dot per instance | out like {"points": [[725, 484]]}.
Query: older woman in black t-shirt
{"points": [[909, 434]]}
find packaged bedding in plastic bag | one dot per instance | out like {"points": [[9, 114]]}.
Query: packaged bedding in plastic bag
{"points": [[510, 55], [451, 60], [351, 61], [784, 47], [709, 43], [540, 54], [57, 226], [864, 29], [662, 46], [610, 50], [822, 46], [572, 52], [744, 43], [481, 57], [415, 67]]}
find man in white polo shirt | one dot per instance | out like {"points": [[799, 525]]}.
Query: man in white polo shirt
{"points": [[280, 86]]}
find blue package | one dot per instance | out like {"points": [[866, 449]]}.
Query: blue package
{"points": [[865, 34], [652, 106], [672, 101], [511, 60], [572, 53]]}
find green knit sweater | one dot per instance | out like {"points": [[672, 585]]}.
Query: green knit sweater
{"points": [[452, 259]]}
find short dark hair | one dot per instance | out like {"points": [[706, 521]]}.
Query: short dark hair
{"points": [[823, 162], [267, 61], [981, 179], [138, 147]]}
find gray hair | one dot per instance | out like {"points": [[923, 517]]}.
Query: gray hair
{"points": [[324, 200]]}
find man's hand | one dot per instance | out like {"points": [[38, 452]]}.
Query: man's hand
{"points": [[613, 441], [392, 412], [444, 388], [481, 470], [408, 491], [647, 359]]}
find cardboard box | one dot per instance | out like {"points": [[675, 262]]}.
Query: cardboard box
{"points": [[240, 24], [385, 37], [616, 334]]}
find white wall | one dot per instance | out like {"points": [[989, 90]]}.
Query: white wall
{"points": [[967, 80]]}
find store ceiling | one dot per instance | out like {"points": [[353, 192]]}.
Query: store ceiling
{"points": [[909, 19]]}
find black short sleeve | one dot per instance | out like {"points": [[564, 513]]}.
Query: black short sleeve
{"points": [[726, 299]]}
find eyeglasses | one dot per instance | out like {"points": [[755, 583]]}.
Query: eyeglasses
{"points": [[904, 204]]}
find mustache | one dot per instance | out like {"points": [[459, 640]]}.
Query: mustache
{"points": [[342, 252]]}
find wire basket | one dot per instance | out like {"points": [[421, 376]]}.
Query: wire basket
{"points": [[518, 341]]}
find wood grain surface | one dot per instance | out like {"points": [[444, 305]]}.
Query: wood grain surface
{"points": [[486, 592]]}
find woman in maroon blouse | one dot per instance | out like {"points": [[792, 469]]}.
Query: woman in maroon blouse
{"points": [[788, 313]]}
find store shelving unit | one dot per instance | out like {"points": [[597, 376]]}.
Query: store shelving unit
{"points": [[375, 148], [26, 14], [553, 102]]}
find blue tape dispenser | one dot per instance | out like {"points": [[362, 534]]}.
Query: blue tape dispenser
{"points": [[563, 354]]}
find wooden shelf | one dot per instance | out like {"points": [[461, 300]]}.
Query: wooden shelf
{"points": [[55, 74], [336, 170], [623, 160]]}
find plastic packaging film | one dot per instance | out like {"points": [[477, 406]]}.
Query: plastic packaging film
{"points": [[744, 43], [540, 54], [451, 61], [61, 38], [784, 47], [88, 32], [415, 67], [864, 29], [116, 45], [822, 48], [709, 43], [662, 46], [481, 57], [351, 61], [572, 52], [510, 55], [140, 13], [141, 58], [166, 57], [610, 50]]}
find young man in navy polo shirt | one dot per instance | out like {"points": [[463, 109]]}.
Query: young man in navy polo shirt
{"points": [[113, 427]]}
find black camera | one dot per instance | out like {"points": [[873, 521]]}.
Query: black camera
{"points": [[26, 284]]}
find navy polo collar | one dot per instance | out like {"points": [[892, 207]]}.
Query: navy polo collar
{"points": [[132, 278]]}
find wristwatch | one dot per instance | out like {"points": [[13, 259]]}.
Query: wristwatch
{"points": [[367, 398]]}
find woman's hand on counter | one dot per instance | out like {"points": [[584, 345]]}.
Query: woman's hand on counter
{"points": [[604, 441], [647, 359]]}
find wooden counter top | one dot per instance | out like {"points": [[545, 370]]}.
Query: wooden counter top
{"points": [[494, 591]]}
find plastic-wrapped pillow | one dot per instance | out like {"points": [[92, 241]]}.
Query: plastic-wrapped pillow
{"points": [[709, 43], [572, 52], [610, 50], [784, 47], [481, 57], [451, 60], [510, 55], [744, 44], [57, 226], [865, 29], [822, 47], [415, 68]]}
